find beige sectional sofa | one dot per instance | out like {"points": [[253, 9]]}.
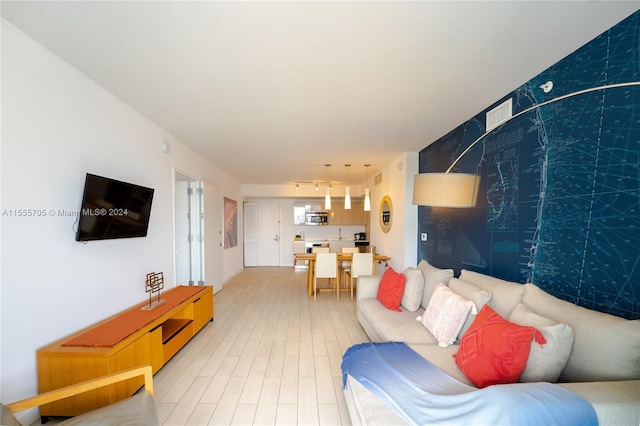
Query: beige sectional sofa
{"points": [[598, 355]]}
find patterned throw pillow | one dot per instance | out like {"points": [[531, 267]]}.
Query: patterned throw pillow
{"points": [[494, 350], [391, 289], [446, 314]]}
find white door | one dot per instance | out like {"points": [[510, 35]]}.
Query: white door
{"points": [[268, 234], [188, 230], [212, 213], [250, 234], [182, 223]]}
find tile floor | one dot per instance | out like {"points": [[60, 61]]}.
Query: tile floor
{"points": [[271, 357]]}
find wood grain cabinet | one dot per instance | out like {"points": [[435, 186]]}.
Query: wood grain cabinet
{"points": [[154, 344], [356, 215]]}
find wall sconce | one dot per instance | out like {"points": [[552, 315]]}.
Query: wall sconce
{"points": [[547, 87]]}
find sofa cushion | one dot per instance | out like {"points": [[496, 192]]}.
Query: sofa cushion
{"points": [[605, 347], [442, 358], [475, 294], [391, 289], [545, 362], [445, 315], [506, 294], [432, 277], [394, 326], [494, 350], [413, 289]]}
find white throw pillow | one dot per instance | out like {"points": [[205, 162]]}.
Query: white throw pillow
{"points": [[446, 314], [545, 362], [413, 289]]}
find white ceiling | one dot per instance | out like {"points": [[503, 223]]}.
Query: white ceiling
{"points": [[271, 91]]}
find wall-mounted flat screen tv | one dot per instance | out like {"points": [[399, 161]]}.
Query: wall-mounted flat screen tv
{"points": [[113, 209]]}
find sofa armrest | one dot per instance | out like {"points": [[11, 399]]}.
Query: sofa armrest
{"points": [[616, 403], [368, 286]]}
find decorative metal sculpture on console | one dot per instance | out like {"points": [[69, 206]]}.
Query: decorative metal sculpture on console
{"points": [[155, 283]]}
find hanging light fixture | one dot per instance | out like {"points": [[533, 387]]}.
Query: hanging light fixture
{"points": [[297, 186], [317, 186], [347, 191], [327, 196], [367, 197], [460, 190]]}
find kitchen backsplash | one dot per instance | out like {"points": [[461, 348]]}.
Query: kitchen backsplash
{"points": [[329, 232]]}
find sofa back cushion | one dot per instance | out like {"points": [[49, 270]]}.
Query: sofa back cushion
{"points": [[506, 294], [432, 277], [605, 347], [478, 296]]}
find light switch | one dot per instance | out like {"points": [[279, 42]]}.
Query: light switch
{"points": [[423, 236]]}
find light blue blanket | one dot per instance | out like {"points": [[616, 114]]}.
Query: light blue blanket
{"points": [[423, 394]]}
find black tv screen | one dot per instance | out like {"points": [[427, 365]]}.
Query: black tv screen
{"points": [[113, 209]]}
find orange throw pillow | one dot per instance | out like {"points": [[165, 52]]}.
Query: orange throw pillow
{"points": [[391, 289], [494, 350]]}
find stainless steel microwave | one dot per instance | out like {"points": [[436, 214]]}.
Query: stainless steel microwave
{"points": [[316, 218]]}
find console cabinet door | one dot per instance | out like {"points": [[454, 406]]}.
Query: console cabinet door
{"points": [[202, 311]]}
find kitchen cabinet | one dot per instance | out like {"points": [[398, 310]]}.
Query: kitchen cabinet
{"points": [[356, 215], [338, 215], [360, 217], [299, 214], [335, 214]]}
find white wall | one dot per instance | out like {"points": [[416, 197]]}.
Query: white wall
{"points": [[397, 182], [58, 125]]}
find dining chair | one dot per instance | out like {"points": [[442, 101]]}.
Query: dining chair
{"points": [[320, 250], [361, 264], [326, 266], [345, 265]]}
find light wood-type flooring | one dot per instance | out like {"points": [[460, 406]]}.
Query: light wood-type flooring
{"points": [[271, 357]]}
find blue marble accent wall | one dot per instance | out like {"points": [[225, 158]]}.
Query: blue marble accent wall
{"points": [[560, 195]]}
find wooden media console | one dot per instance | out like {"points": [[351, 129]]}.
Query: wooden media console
{"points": [[132, 338]]}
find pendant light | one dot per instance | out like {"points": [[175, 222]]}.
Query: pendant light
{"points": [[347, 191], [327, 196], [367, 197]]}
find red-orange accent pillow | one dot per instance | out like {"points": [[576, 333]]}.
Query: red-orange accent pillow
{"points": [[391, 289], [494, 350]]}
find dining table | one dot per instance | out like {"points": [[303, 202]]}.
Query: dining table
{"points": [[311, 258]]}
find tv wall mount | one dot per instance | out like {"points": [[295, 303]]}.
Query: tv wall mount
{"points": [[154, 284]]}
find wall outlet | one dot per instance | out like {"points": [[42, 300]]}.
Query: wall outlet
{"points": [[423, 236]]}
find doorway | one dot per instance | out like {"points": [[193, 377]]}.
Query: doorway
{"points": [[198, 232], [262, 234]]}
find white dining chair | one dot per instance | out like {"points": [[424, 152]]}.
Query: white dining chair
{"points": [[326, 266], [320, 250], [345, 265], [361, 264]]}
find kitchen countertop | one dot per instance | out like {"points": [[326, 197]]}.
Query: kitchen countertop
{"points": [[331, 241]]}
